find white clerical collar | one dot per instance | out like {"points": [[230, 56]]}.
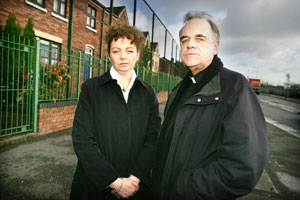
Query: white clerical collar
{"points": [[193, 79]]}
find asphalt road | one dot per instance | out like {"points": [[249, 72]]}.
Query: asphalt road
{"points": [[43, 168], [283, 119], [282, 113]]}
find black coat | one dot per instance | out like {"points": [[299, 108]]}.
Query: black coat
{"points": [[219, 146], [111, 138]]}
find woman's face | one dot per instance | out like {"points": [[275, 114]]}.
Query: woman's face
{"points": [[123, 55]]}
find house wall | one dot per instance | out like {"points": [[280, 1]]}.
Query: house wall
{"points": [[50, 27], [155, 60], [44, 22]]}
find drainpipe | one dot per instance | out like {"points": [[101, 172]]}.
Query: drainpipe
{"points": [[111, 11], [70, 30]]}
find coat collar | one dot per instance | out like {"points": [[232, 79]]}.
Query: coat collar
{"points": [[106, 77], [211, 88]]}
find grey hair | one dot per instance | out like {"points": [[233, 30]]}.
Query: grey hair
{"points": [[202, 15]]}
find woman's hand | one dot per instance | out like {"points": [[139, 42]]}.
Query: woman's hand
{"points": [[134, 178], [126, 189], [117, 184]]}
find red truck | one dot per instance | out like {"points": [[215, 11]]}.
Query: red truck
{"points": [[255, 84]]}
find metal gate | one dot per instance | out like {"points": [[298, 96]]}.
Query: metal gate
{"points": [[17, 89]]}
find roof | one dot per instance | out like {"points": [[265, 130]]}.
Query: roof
{"points": [[146, 33], [116, 10], [154, 45]]}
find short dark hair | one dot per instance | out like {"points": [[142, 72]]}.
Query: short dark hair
{"points": [[123, 30], [202, 15]]}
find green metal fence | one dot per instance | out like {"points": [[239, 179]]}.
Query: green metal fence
{"points": [[160, 81], [17, 85], [26, 80], [62, 82]]}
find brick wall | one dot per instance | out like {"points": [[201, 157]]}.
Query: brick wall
{"points": [[44, 22], [81, 35], [54, 117], [47, 23]]}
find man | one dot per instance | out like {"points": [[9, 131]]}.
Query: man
{"points": [[213, 142]]}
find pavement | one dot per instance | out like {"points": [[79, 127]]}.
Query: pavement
{"points": [[282, 97], [43, 168]]}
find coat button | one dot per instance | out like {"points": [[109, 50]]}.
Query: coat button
{"points": [[217, 98], [199, 100]]}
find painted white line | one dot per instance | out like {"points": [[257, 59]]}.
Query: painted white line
{"points": [[283, 127], [281, 106], [289, 181]]}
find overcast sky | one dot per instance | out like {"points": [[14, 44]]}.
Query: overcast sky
{"points": [[259, 38]]}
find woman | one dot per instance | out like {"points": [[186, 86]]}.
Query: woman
{"points": [[116, 125]]}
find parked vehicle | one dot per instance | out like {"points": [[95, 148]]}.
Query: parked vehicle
{"points": [[255, 84]]}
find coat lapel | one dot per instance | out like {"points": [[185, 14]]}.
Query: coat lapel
{"points": [[211, 88]]}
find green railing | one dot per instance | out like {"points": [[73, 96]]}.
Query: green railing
{"points": [[160, 81], [62, 82], [16, 85], [27, 79]]}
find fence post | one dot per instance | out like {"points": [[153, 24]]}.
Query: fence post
{"points": [[157, 84], [151, 77], [106, 64], [163, 82], [78, 75], [143, 74], [36, 78], [137, 70], [169, 83]]}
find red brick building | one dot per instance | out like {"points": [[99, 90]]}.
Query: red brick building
{"points": [[51, 23]]}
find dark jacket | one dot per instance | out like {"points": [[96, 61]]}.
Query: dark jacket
{"points": [[219, 146], [111, 138]]}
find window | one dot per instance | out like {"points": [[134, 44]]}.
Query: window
{"points": [[88, 62], [59, 7], [38, 2], [91, 17], [45, 49], [54, 53], [49, 52]]}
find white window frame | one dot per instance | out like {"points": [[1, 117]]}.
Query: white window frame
{"points": [[90, 51], [59, 17], [36, 6], [50, 51], [59, 3], [91, 18]]}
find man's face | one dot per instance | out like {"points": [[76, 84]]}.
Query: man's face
{"points": [[198, 45]]}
